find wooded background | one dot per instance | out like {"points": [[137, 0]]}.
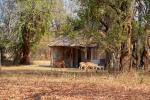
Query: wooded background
{"points": [[120, 28]]}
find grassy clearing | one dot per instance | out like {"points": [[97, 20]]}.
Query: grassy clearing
{"points": [[75, 75], [20, 82]]}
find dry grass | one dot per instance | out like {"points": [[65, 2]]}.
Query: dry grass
{"points": [[70, 88], [126, 86], [41, 62], [131, 78]]}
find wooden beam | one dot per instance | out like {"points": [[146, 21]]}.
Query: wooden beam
{"points": [[71, 57], [85, 53], [91, 54]]}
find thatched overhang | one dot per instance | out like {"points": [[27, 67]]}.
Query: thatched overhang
{"points": [[63, 41]]}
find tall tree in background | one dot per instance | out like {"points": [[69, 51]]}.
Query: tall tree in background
{"points": [[139, 34], [126, 46], [33, 24], [146, 52]]}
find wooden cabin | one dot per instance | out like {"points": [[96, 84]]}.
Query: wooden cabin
{"points": [[72, 52]]}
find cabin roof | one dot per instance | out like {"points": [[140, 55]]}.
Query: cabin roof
{"points": [[66, 41]]}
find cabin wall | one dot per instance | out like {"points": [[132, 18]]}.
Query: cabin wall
{"points": [[67, 54], [73, 56], [56, 54]]}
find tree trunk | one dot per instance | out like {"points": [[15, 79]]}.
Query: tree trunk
{"points": [[108, 60], [113, 61], [145, 60], [117, 61], [2, 56], [126, 48], [25, 59], [136, 54], [25, 48], [138, 62], [146, 52], [125, 58]]}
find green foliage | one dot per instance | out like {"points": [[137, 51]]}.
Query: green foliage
{"points": [[108, 16], [35, 18], [22, 24], [105, 16]]}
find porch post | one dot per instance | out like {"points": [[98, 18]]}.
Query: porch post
{"points": [[71, 57], [91, 54], [86, 53], [50, 56]]}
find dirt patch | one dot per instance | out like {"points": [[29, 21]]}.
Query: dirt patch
{"points": [[30, 89]]}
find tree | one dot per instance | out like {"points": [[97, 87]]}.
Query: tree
{"points": [[106, 21], [115, 27], [126, 52], [146, 52], [8, 22], [33, 23]]}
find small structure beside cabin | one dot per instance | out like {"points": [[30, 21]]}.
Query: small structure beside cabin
{"points": [[74, 51]]}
